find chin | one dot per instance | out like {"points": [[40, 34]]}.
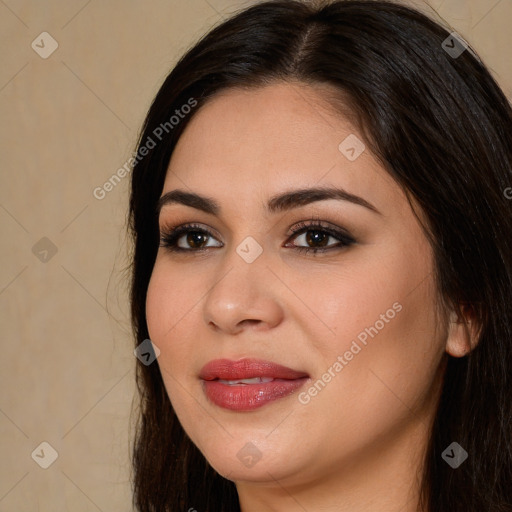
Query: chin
{"points": [[261, 472], [250, 462]]}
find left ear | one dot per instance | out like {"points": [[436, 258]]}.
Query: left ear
{"points": [[463, 331]]}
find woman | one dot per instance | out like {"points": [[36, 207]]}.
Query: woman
{"points": [[322, 263]]}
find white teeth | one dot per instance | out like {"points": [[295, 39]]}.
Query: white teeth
{"points": [[255, 380]]}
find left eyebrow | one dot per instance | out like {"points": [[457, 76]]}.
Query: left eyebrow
{"points": [[280, 203]]}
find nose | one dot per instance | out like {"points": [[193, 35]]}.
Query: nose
{"points": [[244, 296]]}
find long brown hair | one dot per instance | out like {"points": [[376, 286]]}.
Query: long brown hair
{"points": [[442, 128]]}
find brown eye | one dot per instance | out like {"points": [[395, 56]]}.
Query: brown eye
{"points": [[194, 239], [316, 238]]}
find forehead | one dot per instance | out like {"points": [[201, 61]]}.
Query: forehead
{"points": [[263, 140]]}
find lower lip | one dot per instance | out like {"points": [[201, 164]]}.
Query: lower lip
{"points": [[246, 397]]}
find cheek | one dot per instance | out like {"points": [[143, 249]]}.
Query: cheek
{"points": [[171, 297], [167, 306], [173, 302], [158, 302], [372, 299], [168, 302], [384, 326], [391, 349]]}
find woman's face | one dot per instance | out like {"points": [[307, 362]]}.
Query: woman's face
{"points": [[355, 325]]}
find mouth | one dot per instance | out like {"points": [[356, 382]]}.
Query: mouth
{"points": [[248, 384]]}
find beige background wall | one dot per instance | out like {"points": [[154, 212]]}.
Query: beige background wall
{"points": [[68, 123]]}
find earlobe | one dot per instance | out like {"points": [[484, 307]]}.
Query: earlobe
{"points": [[463, 332]]}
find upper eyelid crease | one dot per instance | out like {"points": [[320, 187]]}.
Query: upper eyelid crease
{"points": [[279, 203], [310, 224]]}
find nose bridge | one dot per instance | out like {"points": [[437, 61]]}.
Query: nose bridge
{"points": [[241, 292]]}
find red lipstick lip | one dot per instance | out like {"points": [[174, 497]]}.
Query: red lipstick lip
{"points": [[227, 369], [236, 396]]}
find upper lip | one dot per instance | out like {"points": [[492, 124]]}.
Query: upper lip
{"points": [[227, 369]]}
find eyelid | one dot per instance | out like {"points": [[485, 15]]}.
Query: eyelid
{"points": [[170, 235], [311, 223]]}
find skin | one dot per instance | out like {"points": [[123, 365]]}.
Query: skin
{"points": [[358, 444]]}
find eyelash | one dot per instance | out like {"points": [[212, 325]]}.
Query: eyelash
{"points": [[170, 236]]}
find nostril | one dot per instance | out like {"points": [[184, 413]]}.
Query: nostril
{"points": [[248, 322]]}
